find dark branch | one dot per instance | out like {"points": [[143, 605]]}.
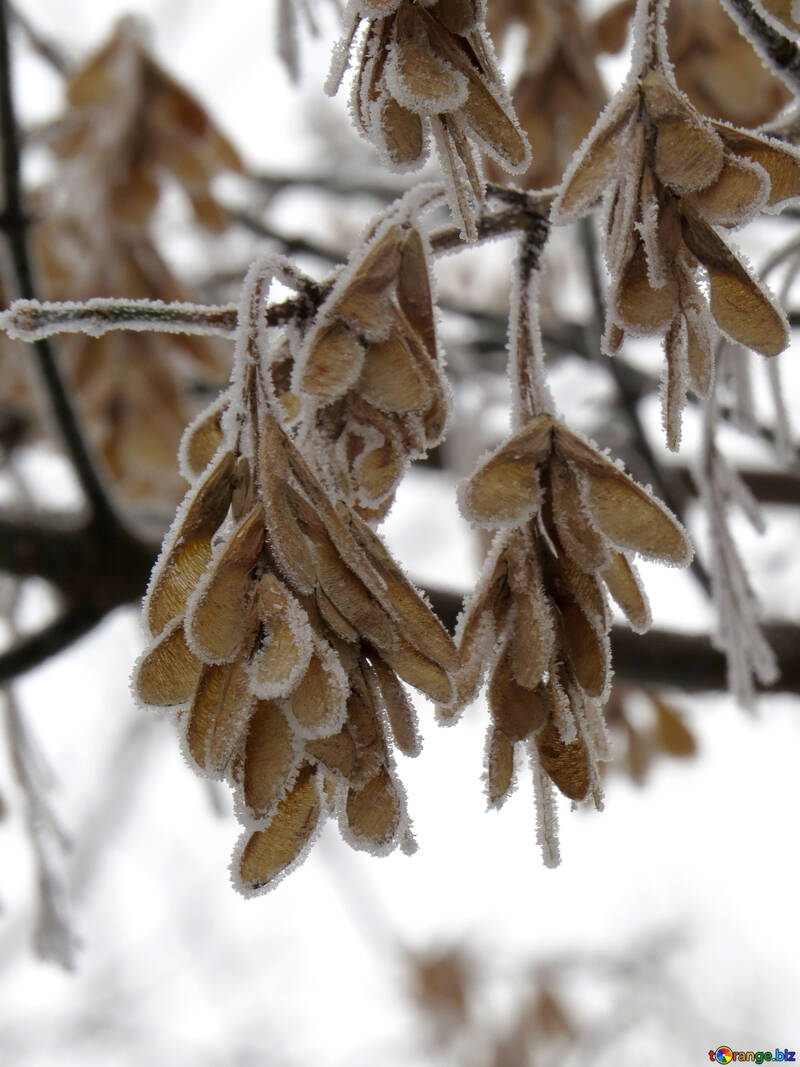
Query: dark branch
{"points": [[683, 661], [782, 54], [16, 225], [35, 649]]}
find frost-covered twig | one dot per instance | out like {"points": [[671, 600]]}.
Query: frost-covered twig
{"points": [[53, 938], [782, 55], [33, 320], [739, 633]]}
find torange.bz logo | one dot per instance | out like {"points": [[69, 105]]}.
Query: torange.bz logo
{"points": [[727, 1055]]}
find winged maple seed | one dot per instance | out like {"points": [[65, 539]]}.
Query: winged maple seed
{"points": [[670, 177], [127, 126], [568, 520], [559, 93], [368, 370], [425, 68], [280, 626]]}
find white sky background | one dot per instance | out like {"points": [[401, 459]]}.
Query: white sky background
{"points": [[176, 967]]}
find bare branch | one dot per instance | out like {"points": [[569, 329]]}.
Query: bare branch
{"points": [[783, 55], [16, 225]]}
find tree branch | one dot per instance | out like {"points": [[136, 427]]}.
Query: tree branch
{"points": [[782, 54], [16, 224], [38, 647], [661, 658]]}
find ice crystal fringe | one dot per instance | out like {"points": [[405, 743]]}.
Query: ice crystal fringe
{"points": [[748, 654]]}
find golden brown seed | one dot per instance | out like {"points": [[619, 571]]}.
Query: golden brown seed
{"points": [[272, 850], [517, 711], [318, 702], [373, 812], [169, 672], [624, 586], [221, 619], [269, 756], [218, 715], [333, 362], [586, 650], [499, 766], [390, 378], [567, 765], [337, 752]]}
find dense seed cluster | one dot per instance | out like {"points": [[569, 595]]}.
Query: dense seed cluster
{"points": [[429, 68], [280, 626], [670, 177]]}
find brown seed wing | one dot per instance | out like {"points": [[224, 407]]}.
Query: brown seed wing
{"points": [[579, 538], [779, 160], [318, 704], [566, 765], [624, 585], [505, 487], [218, 715], [333, 361], [738, 303], [499, 766], [220, 619], [390, 378], [399, 710], [269, 852], [585, 648], [270, 752], [169, 672], [374, 813], [689, 154], [177, 572], [625, 513], [414, 291], [424, 73], [517, 711]]}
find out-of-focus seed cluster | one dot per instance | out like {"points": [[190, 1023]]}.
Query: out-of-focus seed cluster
{"points": [[129, 130], [670, 177], [280, 629], [429, 68], [567, 520], [558, 93]]}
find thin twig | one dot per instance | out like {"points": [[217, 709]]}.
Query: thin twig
{"points": [[16, 225], [782, 54]]}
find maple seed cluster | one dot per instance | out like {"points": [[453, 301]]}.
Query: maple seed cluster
{"points": [[670, 176], [431, 68], [366, 377], [567, 519], [280, 626]]}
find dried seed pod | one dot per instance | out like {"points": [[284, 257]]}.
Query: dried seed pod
{"points": [[270, 755], [218, 716], [273, 851], [168, 674], [374, 813], [432, 68], [219, 613], [566, 764], [187, 548], [499, 767]]}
